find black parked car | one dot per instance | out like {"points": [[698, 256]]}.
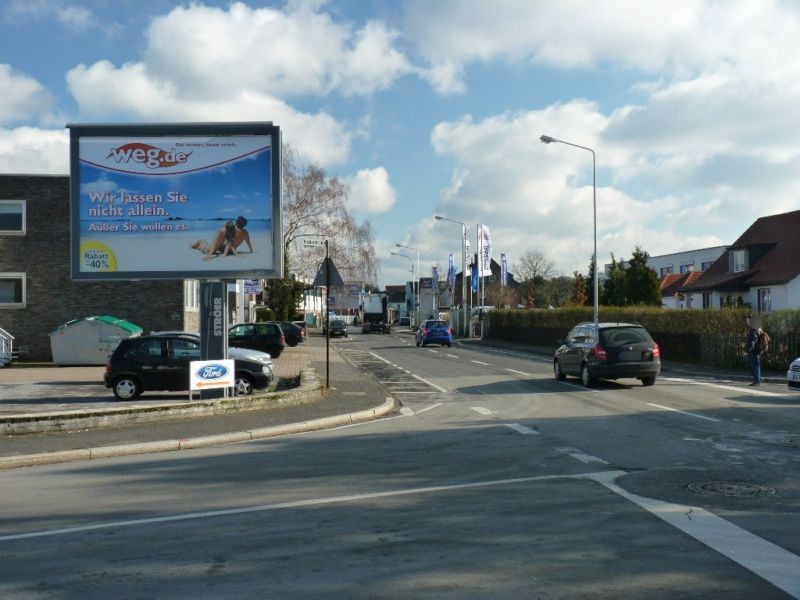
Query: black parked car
{"points": [[267, 337], [608, 351], [294, 334], [161, 362]]}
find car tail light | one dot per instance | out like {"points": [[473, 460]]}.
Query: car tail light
{"points": [[656, 351], [600, 353], [424, 331], [451, 331], [283, 340]]}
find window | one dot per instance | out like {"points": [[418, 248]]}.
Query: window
{"points": [[739, 260], [666, 271], [764, 300], [705, 264], [706, 299], [191, 294], [12, 290], [12, 217], [687, 267], [183, 350]]}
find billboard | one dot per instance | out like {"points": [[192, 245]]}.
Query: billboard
{"points": [[175, 201]]}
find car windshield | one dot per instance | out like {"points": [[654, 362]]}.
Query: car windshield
{"points": [[337, 324], [437, 324]]}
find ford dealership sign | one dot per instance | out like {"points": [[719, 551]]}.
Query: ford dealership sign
{"points": [[209, 374]]}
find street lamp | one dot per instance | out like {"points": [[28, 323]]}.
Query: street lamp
{"points": [[463, 269], [411, 260], [416, 306], [546, 139]]}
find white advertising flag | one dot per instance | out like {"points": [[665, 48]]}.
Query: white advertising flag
{"points": [[486, 252]]}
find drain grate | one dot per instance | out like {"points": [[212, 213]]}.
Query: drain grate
{"points": [[735, 489]]}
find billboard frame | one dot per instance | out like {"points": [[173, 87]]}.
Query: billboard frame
{"points": [[80, 131]]}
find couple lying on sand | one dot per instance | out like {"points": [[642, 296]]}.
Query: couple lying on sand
{"points": [[227, 240]]}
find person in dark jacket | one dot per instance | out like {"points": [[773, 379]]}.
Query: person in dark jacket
{"points": [[753, 351]]}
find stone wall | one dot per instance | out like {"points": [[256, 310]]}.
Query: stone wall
{"points": [[43, 254]]}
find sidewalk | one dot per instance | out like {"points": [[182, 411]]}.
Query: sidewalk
{"points": [[352, 397]]}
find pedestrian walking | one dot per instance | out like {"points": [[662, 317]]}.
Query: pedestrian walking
{"points": [[753, 350]]}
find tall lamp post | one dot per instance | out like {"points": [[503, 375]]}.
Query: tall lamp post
{"points": [[546, 139], [463, 269], [416, 303], [411, 260]]}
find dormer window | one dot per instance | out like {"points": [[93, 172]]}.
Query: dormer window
{"points": [[738, 261]]}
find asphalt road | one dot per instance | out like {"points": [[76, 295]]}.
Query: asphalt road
{"points": [[494, 481]]}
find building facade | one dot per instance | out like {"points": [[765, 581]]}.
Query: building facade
{"points": [[37, 293]]}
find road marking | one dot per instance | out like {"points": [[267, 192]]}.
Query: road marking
{"points": [[520, 372], [482, 411], [354, 393], [427, 408], [294, 504], [683, 412], [481, 363], [577, 387], [432, 350], [521, 429], [433, 385], [581, 456], [770, 562], [381, 358], [410, 392], [452, 356], [731, 388]]}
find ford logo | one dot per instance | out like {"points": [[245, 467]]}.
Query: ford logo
{"points": [[212, 372]]}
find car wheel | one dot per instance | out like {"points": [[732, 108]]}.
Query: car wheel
{"points": [[243, 385], [449, 344], [586, 377], [127, 388], [558, 372], [292, 342], [417, 343], [648, 381], [274, 351]]}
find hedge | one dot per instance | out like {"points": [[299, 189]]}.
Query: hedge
{"points": [[709, 337]]}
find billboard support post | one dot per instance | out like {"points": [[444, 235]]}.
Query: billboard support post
{"points": [[213, 327]]}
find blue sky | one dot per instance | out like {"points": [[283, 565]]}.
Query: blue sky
{"points": [[428, 108]]}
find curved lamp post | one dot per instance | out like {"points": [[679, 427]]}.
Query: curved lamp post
{"points": [[546, 139], [463, 269], [411, 260], [416, 303]]}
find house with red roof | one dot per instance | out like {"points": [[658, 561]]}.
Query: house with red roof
{"points": [[760, 270], [671, 286]]}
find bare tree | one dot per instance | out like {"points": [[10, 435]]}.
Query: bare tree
{"points": [[315, 204], [534, 266]]}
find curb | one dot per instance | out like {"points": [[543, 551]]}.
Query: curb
{"points": [[28, 460], [309, 390]]}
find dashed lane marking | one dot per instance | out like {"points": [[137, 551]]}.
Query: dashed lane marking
{"points": [[581, 456], [482, 411], [520, 372], [477, 362], [683, 412], [521, 429]]}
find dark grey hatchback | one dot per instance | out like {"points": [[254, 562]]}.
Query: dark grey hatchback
{"points": [[608, 351]]}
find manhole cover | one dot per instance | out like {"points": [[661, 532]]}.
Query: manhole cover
{"points": [[737, 489]]}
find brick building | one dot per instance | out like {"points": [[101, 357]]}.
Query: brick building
{"points": [[37, 293]]}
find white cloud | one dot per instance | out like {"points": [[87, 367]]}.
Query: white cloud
{"points": [[23, 98], [370, 191], [284, 53], [105, 91], [34, 151], [73, 18]]}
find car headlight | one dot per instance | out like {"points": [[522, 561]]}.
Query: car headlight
{"points": [[266, 369]]}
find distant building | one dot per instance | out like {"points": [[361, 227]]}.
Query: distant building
{"points": [[760, 270]]}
